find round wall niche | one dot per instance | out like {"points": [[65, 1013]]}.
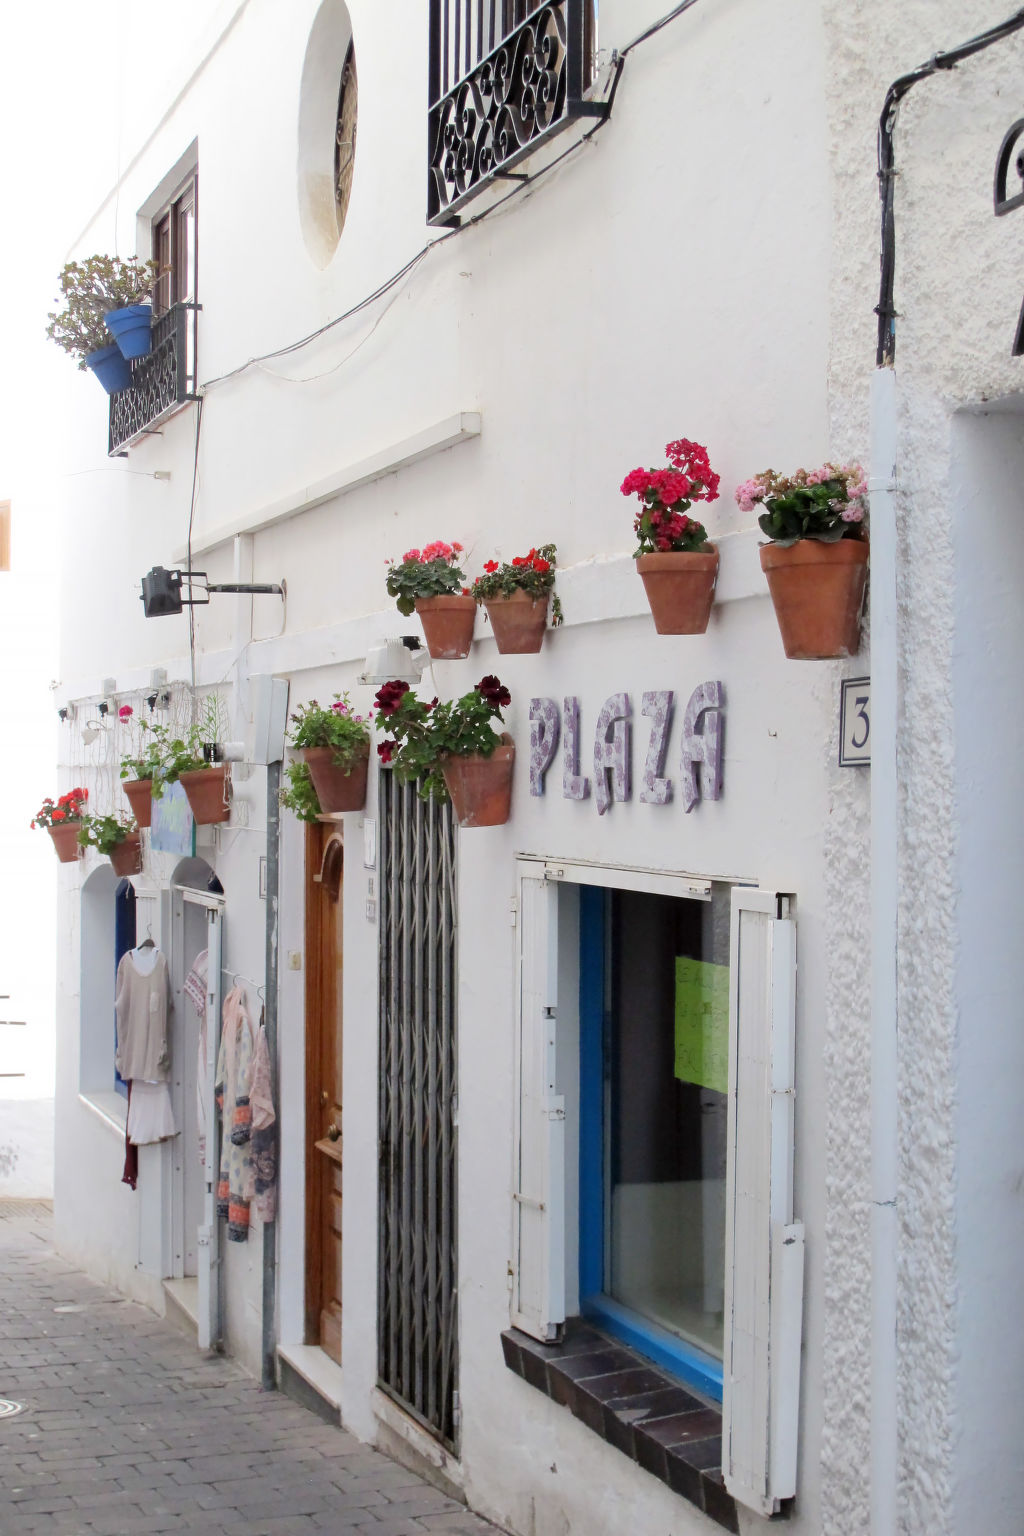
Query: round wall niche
{"points": [[328, 109]]}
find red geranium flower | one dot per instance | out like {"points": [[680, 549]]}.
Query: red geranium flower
{"points": [[490, 566], [385, 751], [493, 690], [390, 696]]}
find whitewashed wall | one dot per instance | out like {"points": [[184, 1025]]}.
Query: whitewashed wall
{"points": [[708, 266]]}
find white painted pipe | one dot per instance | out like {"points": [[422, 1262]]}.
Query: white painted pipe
{"points": [[884, 948]]}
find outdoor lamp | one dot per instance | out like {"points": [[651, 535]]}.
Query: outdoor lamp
{"points": [[162, 590]]}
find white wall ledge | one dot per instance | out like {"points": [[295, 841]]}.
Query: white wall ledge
{"points": [[437, 437]]}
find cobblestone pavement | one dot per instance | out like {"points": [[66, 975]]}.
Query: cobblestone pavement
{"points": [[126, 1428]]}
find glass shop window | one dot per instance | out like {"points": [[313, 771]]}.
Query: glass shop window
{"points": [[654, 1064]]}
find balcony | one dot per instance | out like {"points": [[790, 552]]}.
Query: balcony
{"points": [[161, 383], [501, 83]]}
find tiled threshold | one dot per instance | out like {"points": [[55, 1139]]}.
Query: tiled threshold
{"points": [[634, 1407]]}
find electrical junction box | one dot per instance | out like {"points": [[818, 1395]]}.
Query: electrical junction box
{"points": [[268, 697]]}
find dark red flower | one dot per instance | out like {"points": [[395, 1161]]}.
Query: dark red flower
{"points": [[385, 751], [494, 692], [390, 697]]}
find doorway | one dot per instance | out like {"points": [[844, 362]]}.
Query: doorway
{"points": [[324, 945]]}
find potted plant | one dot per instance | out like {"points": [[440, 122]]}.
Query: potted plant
{"points": [[452, 749], [116, 836], [62, 819], [93, 291], [516, 595], [335, 746], [677, 564], [429, 581], [817, 558], [298, 795], [141, 770], [194, 761]]}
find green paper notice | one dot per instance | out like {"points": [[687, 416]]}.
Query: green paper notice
{"points": [[702, 1024]]}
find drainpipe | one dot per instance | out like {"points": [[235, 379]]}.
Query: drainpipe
{"points": [[884, 947], [269, 1378]]}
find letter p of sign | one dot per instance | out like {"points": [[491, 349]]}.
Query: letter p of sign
{"points": [[544, 732]]}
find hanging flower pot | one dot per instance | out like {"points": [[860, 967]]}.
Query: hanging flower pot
{"points": [[132, 329], [336, 789], [206, 790], [518, 622], [126, 857], [110, 368], [818, 591], [140, 797], [65, 840], [447, 624], [481, 787], [680, 588]]}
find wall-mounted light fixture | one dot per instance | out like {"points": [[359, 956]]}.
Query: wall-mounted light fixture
{"points": [[167, 592], [403, 658]]}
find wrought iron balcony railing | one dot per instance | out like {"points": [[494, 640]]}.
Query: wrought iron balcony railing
{"points": [[504, 75], [161, 382]]}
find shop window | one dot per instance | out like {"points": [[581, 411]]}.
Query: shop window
{"points": [[654, 1030], [654, 1162]]}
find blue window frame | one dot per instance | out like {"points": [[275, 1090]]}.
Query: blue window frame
{"points": [[665, 1347]]}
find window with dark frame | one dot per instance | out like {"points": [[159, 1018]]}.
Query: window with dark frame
{"points": [[175, 250], [345, 135]]}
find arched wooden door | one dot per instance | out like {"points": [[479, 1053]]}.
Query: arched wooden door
{"points": [[324, 909]]}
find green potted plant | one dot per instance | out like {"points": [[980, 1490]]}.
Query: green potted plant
{"points": [[298, 794], [816, 559], [517, 594], [451, 749], [193, 760], [92, 290], [334, 744], [429, 581], [674, 559], [141, 769], [116, 836], [62, 819]]}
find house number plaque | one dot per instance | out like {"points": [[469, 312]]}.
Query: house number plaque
{"points": [[700, 747]]}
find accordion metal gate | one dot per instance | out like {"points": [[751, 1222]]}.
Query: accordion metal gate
{"points": [[417, 1314]]}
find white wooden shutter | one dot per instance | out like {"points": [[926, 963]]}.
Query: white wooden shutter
{"points": [[764, 1245], [538, 1192]]}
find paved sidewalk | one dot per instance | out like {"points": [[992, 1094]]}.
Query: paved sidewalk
{"points": [[126, 1428]]}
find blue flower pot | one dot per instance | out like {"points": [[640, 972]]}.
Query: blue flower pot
{"points": [[110, 368], [132, 329]]}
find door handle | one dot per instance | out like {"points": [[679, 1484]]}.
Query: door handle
{"points": [[333, 1131]]}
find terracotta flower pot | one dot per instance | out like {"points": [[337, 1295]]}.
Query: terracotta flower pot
{"points": [[817, 590], [207, 793], [447, 624], [518, 622], [139, 792], [65, 840], [335, 789], [481, 787], [680, 587], [126, 858]]}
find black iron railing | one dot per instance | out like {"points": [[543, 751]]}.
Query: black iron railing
{"points": [[161, 382], [504, 75]]}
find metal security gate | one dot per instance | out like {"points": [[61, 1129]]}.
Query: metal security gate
{"points": [[417, 1339]]}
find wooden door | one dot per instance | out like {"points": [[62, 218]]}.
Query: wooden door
{"points": [[324, 906]]}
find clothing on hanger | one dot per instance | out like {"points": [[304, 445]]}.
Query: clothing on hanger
{"points": [[263, 1152], [150, 1116], [195, 982], [142, 1001], [233, 1079], [130, 1176]]}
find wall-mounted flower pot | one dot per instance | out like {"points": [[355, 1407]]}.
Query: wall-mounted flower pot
{"points": [[140, 797], [481, 787], [447, 624], [680, 587], [132, 329], [65, 840], [110, 368], [518, 622], [335, 789], [818, 591], [126, 858], [206, 790]]}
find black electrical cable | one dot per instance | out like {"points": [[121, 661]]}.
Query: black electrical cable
{"points": [[885, 355], [191, 520]]}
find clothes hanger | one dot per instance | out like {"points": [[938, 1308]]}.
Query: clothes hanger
{"points": [[147, 942]]}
